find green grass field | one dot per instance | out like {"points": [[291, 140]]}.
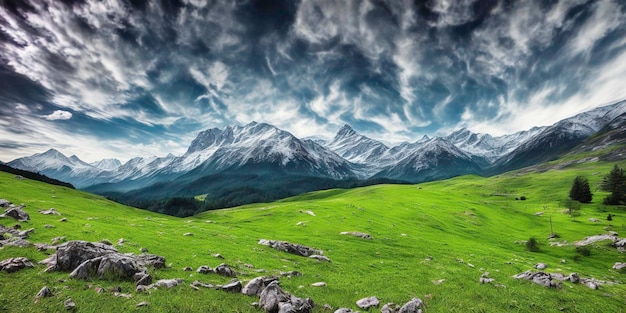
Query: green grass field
{"points": [[458, 222]]}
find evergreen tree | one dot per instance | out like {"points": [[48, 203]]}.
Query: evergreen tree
{"points": [[615, 183], [580, 190]]}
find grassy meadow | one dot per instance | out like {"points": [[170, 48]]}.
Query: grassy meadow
{"points": [[432, 241]]}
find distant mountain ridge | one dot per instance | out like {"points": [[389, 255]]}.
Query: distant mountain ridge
{"points": [[261, 158]]}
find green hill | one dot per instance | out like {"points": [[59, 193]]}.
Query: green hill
{"points": [[432, 241]]}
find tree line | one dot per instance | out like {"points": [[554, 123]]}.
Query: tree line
{"points": [[614, 182]]}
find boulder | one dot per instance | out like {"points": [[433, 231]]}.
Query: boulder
{"points": [[4, 203], [88, 259], [69, 304], [16, 213], [619, 266], [413, 306], [368, 302], [167, 283], [574, 278], [204, 269], [293, 248], [12, 265], [224, 270], [541, 266], [271, 296], [256, 285]]}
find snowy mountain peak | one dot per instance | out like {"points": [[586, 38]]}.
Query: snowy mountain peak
{"points": [[345, 131], [107, 164]]}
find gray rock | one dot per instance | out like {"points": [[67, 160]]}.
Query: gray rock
{"points": [[153, 260], [256, 285], [291, 273], [319, 257], [24, 234], [12, 265], [204, 269], [187, 269], [592, 285], [343, 310], [224, 270], [293, 248], [574, 278], [71, 254], [413, 306], [368, 302], [539, 278], [197, 284], [69, 304], [167, 283], [43, 293], [50, 211], [142, 304], [619, 266], [357, 234], [485, 280], [271, 296], [233, 286], [541, 266], [188, 234], [217, 255], [390, 308], [4, 203], [111, 265], [16, 213], [319, 284]]}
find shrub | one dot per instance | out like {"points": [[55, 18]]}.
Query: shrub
{"points": [[522, 198], [532, 245], [580, 190], [583, 250]]}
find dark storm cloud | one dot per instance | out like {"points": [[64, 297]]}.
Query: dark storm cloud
{"points": [[145, 76]]}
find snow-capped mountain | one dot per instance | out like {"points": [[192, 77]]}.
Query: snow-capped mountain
{"points": [[107, 164], [355, 147], [261, 159], [434, 159]]}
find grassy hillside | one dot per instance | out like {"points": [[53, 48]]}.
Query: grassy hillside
{"points": [[457, 222]]}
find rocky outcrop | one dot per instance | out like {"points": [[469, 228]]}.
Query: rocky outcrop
{"points": [[256, 285], [274, 300], [12, 265], [294, 248], [16, 212], [93, 259], [540, 278], [13, 237]]}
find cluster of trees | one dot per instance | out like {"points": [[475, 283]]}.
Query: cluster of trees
{"points": [[614, 182]]}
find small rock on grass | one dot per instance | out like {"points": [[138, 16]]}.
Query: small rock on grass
{"points": [[43, 293], [368, 302], [319, 284], [69, 304], [142, 304]]}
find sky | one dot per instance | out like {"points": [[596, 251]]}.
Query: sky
{"points": [[126, 78]]}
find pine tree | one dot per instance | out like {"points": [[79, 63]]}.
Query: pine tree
{"points": [[615, 183], [580, 190]]}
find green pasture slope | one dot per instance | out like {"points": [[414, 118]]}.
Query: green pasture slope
{"points": [[431, 241]]}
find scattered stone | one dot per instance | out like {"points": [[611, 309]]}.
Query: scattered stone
{"points": [[197, 284], [142, 304], [144, 250], [224, 270], [539, 278], [63, 219], [233, 286], [541, 266], [592, 285], [51, 211], [69, 304], [187, 269], [99, 290], [153, 260], [106, 242], [319, 257], [438, 281], [619, 266], [12, 265], [122, 295], [248, 265], [204, 269], [319, 284], [294, 248], [121, 241], [19, 177], [291, 273], [43, 293], [24, 234], [309, 212], [57, 240], [368, 302], [470, 265], [413, 306], [486, 280], [142, 279], [188, 234], [217, 255], [300, 224], [167, 283], [574, 278], [390, 308], [539, 213], [48, 226], [271, 296], [344, 310], [594, 220], [357, 234]]}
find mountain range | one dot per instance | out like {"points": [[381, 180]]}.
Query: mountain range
{"points": [[259, 162]]}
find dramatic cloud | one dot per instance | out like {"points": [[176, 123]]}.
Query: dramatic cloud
{"points": [[121, 78]]}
